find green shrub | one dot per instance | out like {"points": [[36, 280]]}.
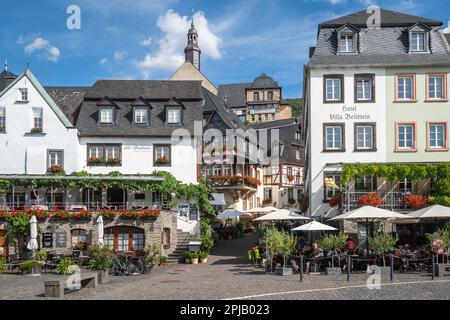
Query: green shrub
{"points": [[29, 265], [101, 258], [194, 255], [66, 267], [207, 242], [383, 243], [162, 259], [3, 265], [152, 255], [41, 255], [203, 255]]}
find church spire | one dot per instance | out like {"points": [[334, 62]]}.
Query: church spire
{"points": [[192, 51]]}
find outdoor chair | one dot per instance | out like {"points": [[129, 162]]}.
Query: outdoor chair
{"points": [[14, 263]]}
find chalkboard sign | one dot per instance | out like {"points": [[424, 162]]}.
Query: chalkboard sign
{"points": [[61, 240], [47, 240]]}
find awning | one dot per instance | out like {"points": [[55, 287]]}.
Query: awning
{"points": [[219, 199]]}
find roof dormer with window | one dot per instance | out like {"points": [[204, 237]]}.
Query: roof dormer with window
{"points": [[107, 111], [141, 111], [419, 38], [347, 39], [174, 112]]}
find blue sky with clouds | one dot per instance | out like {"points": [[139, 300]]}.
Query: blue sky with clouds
{"points": [[144, 39]]}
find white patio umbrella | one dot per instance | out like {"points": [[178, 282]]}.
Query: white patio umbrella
{"points": [[367, 215], [33, 244], [433, 212], [262, 210], [100, 231], [281, 215], [228, 214], [314, 226]]}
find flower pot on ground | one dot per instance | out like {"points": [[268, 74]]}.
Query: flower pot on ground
{"points": [[101, 261], [203, 257], [382, 244], [152, 256], [194, 258], [333, 244], [187, 258]]}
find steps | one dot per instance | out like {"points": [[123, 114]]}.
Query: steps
{"points": [[177, 255]]}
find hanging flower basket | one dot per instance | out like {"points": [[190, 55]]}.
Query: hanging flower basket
{"points": [[371, 199], [416, 201]]}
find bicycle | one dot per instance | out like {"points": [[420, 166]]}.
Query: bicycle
{"points": [[126, 265]]}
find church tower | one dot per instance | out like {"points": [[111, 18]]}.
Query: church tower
{"points": [[192, 51]]}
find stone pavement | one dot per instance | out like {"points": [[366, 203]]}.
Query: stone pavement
{"points": [[228, 275]]}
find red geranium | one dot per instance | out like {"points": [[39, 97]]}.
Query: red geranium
{"points": [[371, 199], [416, 201]]}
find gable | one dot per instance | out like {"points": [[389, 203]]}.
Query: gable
{"points": [[187, 71]]}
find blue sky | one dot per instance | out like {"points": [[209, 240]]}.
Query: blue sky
{"points": [[144, 39]]}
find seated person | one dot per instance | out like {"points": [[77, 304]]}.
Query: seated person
{"points": [[351, 246], [253, 254]]}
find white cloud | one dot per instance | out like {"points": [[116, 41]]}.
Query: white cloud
{"points": [[169, 54], [120, 55], [103, 61], [42, 47], [146, 42]]}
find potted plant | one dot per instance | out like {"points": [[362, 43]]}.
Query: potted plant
{"points": [[162, 261], [203, 257], [372, 199], [162, 161], [382, 244], [333, 243], [416, 201], [101, 261], [335, 200], [285, 246], [41, 256], [194, 258], [187, 257], [66, 267], [31, 267], [151, 258]]}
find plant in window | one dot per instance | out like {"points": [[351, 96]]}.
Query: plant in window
{"points": [[36, 130], [2, 129], [416, 201], [95, 161], [56, 170], [290, 177], [371, 199], [162, 160], [113, 161]]}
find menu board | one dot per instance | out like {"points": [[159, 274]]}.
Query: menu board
{"points": [[61, 240], [47, 240]]}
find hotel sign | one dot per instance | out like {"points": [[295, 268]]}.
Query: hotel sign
{"points": [[349, 114], [138, 148]]}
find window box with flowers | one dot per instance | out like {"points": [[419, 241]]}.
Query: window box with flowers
{"points": [[416, 201], [36, 130], [56, 170], [95, 161], [38, 213], [113, 162], [252, 181], [371, 199], [162, 161]]}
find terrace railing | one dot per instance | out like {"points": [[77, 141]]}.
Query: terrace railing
{"points": [[394, 201]]}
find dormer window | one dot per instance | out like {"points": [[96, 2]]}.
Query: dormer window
{"points": [[140, 115], [418, 41], [106, 115], [174, 112], [347, 43]]}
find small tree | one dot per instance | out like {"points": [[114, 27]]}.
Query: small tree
{"points": [[333, 243], [383, 243]]}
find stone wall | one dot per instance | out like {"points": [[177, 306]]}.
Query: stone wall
{"points": [[153, 229]]}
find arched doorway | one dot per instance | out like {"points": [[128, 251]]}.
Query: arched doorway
{"points": [[124, 238], [3, 243]]}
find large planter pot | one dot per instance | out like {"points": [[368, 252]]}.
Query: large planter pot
{"points": [[103, 276], [35, 271], [381, 270], [204, 260], [194, 260], [334, 271], [147, 269], [284, 271]]}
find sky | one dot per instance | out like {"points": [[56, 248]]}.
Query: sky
{"points": [[145, 39]]}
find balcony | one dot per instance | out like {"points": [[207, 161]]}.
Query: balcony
{"points": [[394, 201], [234, 182]]}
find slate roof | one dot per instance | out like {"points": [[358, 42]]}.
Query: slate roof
{"points": [[388, 19], [264, 82], [234, 94], [6, 77], [386, 46], [213, 103], [124, 94], [68, 99], [147, 89], [447, 37]]}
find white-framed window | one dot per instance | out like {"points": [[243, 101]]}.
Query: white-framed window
{"points": [[23, 94], [2, 119], [437, 133], [227, 170], [334, 138], [365, 184], [173, 115], [38, 118], [208, 171], [405, 87], [436, 87], [328, 191], [406, 137], [140, 115], [346, 43], [364, 137], [55, 158], [162, 155], [364, 89], [418, 42], [217, 170], [112, 152], [96, 152], [106, 115], [333, 89]]}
